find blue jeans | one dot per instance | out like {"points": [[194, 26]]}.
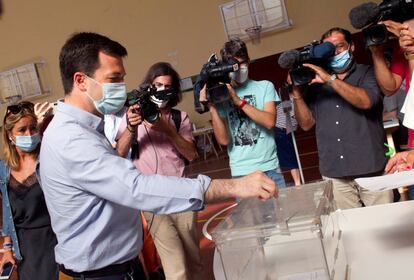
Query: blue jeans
{"points": [[277, 176]]}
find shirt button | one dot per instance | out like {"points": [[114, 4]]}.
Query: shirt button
{"points": [[337, 122], [339, 139], [337, 106], [341, 157]]}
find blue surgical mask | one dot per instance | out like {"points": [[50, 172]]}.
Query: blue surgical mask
{"points": [[340, 62], [113, 97], [27, 143]]}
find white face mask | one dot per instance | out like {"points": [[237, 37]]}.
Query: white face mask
{"points": [[113, 97], [160, 103], [241, 75]]}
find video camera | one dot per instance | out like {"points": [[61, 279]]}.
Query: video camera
{"points": [[215, 75], [367, 15], [143, 96], [317, 53]]}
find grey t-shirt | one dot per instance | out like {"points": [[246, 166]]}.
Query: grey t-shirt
{"points": [[395, 102]]}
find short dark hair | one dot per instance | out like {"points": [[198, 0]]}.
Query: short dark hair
{"points": [[234, 48], [165, 69], [80, 53], [346, 33]]}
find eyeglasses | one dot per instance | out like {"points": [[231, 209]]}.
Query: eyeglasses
{"points": [[17, 108]]}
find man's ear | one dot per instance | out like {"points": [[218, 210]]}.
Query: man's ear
{"points": [[352, 47], [80, 81]]}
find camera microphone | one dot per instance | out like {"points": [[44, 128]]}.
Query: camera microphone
{"points": [[363, 15], [288, 59], [322, 51]]}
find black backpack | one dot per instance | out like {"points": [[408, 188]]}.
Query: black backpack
{"points": [[176, 116]]}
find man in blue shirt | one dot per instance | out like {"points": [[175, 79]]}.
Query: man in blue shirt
{"points": [[92, 194]]}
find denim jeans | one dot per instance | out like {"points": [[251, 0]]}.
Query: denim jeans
{"points": [[277, 176]]}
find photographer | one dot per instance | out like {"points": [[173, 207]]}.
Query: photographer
{"points": [[162, 149], [390, 77], [245, 123], [345, 104]]}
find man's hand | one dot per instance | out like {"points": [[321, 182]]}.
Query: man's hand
{"points": [[233, 95], [256, 185], [133, 117], [321, 76], [7, 257], [400, 162], [377, 49], [394, 27], [42, 110], [407, 40], [161, 125]]}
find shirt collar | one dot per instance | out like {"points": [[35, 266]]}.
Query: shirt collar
{"points": [[81, 116]]}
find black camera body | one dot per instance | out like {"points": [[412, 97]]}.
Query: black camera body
{"points": [[142, 97], [316, 53], [367, 15], [215, 74]]}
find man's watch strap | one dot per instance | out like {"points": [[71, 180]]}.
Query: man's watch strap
{"points": [[332, 78]]}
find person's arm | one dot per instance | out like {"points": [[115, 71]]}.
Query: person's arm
{"points": [[125, 185], [265, 118], [185, 147], [356, 96], [124, 142], [219, 124], [388, 81], [303, 114]]}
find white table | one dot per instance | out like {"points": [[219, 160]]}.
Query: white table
{"points": [[378, 240]]}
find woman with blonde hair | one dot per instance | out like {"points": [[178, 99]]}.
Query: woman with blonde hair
{"points": [[26, 222]]}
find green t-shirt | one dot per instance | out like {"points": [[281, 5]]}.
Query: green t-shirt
{"points": [[252, 147]]}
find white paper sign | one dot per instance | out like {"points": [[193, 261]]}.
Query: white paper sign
{"points": [[387, 182]]}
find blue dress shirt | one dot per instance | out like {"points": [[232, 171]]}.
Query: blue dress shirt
{"points": [[93, 195]]}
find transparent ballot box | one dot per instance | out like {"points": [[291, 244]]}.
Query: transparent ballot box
{"points": [[293, 237]]}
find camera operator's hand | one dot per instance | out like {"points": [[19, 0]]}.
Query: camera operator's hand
{"points": [[133, 117], [233, 95], [203, 97], [377, 50], [161, 125], [394, 27], [407, 40], [321, 76]]}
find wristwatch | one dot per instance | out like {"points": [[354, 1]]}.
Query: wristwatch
{"points": [[332, 78]]}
